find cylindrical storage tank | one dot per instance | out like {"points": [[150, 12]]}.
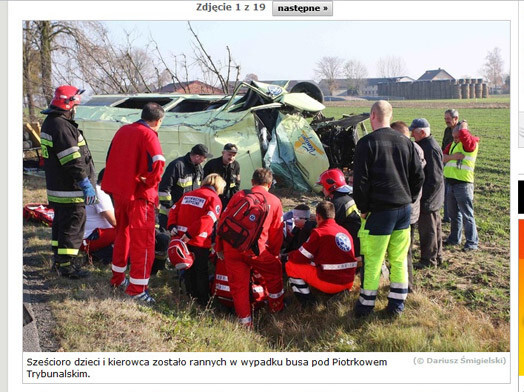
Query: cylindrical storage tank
{"points": [[472, 90]]}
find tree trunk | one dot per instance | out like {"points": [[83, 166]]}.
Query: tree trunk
{"points": [[28, 87], [45, 60]]}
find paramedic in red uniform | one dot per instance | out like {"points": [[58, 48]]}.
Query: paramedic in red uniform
{"points": [[239, 264], [193, 218], [325, 261], [133, 170]]}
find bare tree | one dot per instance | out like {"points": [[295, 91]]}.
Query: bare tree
{"points": [[329, 68], [391, 66], [355, 73], [493, 68], [213, 70]]}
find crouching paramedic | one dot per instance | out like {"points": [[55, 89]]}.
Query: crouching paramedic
{"points": [[193, 219], [133, 170], [263, 256], [325, 261]]}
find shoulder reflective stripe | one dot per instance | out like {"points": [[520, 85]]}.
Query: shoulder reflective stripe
{"points": [[296, 281], [366, 302], [398, 295], [67, 152], [158, 158], [142, 282], [338, 266], [69, 158], [350, 210], [65, 193], [54, 243], [222, 287], [301, 290], [395, 285], [368, 292], [223, 278], [305, 253], [212, 215], [181, 228], [277, 295], [67, 251], [349, 204], [46, 136], [118, 269], [203, 234], [232, 185], [163, 211], [46, 142], [82, 143], [245, 320], [80, 138]]}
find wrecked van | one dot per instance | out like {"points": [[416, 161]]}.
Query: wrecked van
{"points": [[267, 123]]}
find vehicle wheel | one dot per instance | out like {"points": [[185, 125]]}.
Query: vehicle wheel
{"points": [[310, 89]]}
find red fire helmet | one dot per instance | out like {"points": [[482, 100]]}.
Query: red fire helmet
{"points": [[66, 97], [332, 179], [179, 255]]}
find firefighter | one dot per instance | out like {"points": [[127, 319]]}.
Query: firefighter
{"points": [[267, 263], [336, 190], [133, 170], [182, 175], [229, 170], [70, 179], [325, 261], [193, 218]]}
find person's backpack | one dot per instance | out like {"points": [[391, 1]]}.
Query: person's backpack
{"points": [[242, 222]]}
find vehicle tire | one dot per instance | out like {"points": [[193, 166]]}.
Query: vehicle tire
{"points": [[310, 89]]}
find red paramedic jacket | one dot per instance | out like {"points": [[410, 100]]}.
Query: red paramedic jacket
{"points": [[195, 214], [330, 249], [272, 234], [134, 152]]}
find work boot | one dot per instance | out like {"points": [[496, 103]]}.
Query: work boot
{"points": [[70, 270]]}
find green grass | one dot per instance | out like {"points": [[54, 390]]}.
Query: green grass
{"points": [[462, 306]]}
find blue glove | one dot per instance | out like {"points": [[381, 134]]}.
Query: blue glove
{"points": [[89, 191]]}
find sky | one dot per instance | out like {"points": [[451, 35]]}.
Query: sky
{"points": [[279, 50]]}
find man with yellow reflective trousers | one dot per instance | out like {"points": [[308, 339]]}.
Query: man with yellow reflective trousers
{"points": [[387, 178], [459, 169]]}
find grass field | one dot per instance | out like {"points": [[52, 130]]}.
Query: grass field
{"points": [[463, 306]]}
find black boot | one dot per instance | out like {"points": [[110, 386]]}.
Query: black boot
{"points": [[70, 270]]}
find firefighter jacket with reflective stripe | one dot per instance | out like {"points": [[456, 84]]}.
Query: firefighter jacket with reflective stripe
{"points": [[330, 249], [181, 176], [230, 173], [463, 169], [67, 159], [272, 234], [195, 215], [134, 163], [346, 213]]}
